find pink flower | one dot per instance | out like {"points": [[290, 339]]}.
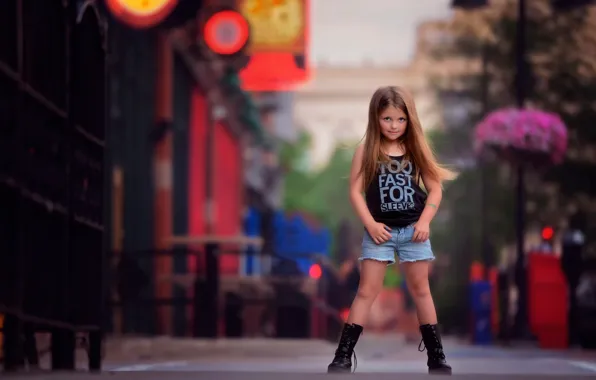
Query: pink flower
{"points": [[531, 131]]}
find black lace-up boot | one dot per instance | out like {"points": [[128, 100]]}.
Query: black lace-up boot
{"points": [[342, 362], [434, 350]]}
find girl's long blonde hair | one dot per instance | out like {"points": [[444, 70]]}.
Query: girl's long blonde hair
{"points": [[417, 149]]}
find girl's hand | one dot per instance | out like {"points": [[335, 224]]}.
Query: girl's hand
{"points": [[379, 232], [421, 232]]}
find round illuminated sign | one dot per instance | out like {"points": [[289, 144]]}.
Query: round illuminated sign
{"points": [[141, 13], [275, 23], [226, 32]]}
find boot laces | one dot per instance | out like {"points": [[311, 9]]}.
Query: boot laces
{"points": [[421, 345], [343, 353], [436, 351], [350, 343]]}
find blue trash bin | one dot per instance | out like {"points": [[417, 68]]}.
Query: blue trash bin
{"points": [[481, 305]]}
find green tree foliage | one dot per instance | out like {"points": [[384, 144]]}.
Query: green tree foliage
{"points": [[562, 75], [298, 180], [322, 193]]}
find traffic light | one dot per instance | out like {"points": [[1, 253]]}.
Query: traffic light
{"points": [[547, 233]]}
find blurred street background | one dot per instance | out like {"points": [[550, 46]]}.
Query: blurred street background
{"points": [[174, 184]]}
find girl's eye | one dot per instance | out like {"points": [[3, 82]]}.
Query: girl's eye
{"points": [[387, 118]]}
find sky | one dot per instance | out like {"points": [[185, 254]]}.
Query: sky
{"points": [[381, 32]]}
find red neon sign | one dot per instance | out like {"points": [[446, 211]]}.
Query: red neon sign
{"points": [[279, 44], [226, 32]]}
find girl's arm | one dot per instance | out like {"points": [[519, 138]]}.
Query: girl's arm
{"points": [[357, 188], [435, 194], [378, 231]]}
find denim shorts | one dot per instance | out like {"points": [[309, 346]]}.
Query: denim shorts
{"points": [[400, 244]]}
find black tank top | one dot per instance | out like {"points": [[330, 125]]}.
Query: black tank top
{"points": [[395, 197]]}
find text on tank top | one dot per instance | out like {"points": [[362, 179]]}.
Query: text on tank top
{"points": [[395, 197]]}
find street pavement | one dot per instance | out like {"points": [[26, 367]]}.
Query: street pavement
{"points": [[376, 354], [381, 357]]}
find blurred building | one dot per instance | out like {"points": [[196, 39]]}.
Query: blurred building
{"points": [[333, 107], [181, 129], [195, 164], [263, 174], [353, 56], [445, 72]]}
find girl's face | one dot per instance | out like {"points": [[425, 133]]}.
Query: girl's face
{"points": [[393, 123]]}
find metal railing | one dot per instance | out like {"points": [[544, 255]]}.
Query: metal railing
{"points": [[192, 301]]}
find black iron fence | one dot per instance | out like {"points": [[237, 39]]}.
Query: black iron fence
{"points": [[194, 300], [52, 143]]}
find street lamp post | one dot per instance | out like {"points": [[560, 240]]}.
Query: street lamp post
{"points": [[520, 96], [484, 186], [484, 49], [520, 326]]}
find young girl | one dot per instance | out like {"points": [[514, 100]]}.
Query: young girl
{"points": [[396, 214]]}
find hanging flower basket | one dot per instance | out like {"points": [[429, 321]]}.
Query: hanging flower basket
{"points": [[522, 137]]}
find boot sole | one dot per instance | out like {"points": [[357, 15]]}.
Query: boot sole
{"points": [[338, 370], [440, 371]]}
